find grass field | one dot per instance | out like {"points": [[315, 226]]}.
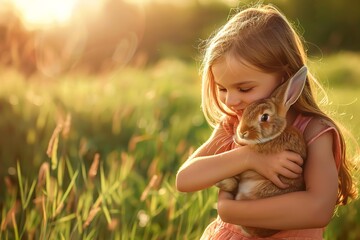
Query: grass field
{"points": [[95, 157]]}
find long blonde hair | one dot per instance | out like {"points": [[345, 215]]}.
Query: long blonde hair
{"points": [[263, 37]]}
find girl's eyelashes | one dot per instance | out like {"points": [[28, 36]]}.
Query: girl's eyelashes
{"points": [[220, 89], [239, 88], [244, 90]]}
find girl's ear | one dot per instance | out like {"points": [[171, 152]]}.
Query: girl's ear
{"points": [[290, 91]]}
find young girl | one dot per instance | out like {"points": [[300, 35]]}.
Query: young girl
{"points": [[251, 55]]}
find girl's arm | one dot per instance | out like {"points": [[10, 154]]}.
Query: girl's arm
{"points": [[204, 168], [311, 208]]}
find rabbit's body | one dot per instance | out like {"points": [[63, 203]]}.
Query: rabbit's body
{"points": [[263, 127], [252, 185]]}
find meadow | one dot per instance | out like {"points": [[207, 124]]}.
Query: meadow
{"points": [[95, 156]]}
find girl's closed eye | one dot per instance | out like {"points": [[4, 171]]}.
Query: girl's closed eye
{"points": [[221, 89], [244, 90]]}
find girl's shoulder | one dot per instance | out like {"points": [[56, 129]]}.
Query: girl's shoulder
{"points": [[311, 126], [316, 127], [320, 127]]}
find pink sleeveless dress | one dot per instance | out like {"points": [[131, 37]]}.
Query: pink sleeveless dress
{"points": [[219, 230]]}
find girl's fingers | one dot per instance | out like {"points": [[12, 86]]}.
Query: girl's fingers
{"points": [[289, 174], [276, 180], [296, 158], [293, 167]]}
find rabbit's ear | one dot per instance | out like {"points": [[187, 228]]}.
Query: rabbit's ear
{"points": [[291, 90]]}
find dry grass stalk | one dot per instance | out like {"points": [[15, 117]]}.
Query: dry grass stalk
{"points": [[31, 234], [10, 186], [153, 168], [10, 215], [38, 201], [83, 148], [44, 170], [180, 149], [147, 189], [58, 210], [113, 224], [55, 134], [95, 208], [67, 126], [91, 216], [13, 221], [94, 166], [43, 208], [135, 140], [40, 204], [71, 200]]}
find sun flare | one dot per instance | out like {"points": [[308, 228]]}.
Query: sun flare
{"points": [[42, 13]]}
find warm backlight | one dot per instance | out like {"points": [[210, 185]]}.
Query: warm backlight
{"points": [[42, 13]]}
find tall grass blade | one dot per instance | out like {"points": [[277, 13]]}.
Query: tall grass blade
{"points": [[91, 234], [106, 213], [60, 171], [71, 184], [102, 179], [21, 187], [66, 218], [54, 158], [16, 230], [32, 188]]}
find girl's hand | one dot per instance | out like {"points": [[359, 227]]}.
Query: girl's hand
{"points": [[224, 199], [271, 166]]}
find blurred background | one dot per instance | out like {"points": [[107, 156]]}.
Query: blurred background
{"points": [[100, 105], [101, 35]]}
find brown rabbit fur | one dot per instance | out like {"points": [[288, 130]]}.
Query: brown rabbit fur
{"points": [[263, 127]]}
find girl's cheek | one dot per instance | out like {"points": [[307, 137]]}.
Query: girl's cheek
{"points": [[222, 98], [255, 98]]}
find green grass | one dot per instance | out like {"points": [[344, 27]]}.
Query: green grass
{"points": [[117, 142]]}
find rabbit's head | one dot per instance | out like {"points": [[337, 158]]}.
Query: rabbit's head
{"points": [[265, 119]]}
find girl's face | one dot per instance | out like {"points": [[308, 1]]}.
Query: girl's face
{"points": [[239, 85]]}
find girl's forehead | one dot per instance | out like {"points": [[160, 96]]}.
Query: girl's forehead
{"points": [[233, 71], [233, 61], [234, 66]]}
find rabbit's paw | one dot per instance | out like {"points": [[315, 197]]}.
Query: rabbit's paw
{"points": [[228, 185]]}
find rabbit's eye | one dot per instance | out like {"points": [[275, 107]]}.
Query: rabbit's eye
{"points": [[265, 117]]}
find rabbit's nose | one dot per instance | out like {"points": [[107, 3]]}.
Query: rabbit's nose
{"points": [[244, 134]]}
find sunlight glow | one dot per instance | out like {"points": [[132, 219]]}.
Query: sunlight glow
{"points": [[146, 2], [37, 13]]}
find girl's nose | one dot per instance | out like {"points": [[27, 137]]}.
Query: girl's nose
{"points": [[232, 100]]}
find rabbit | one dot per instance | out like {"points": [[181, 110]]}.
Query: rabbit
{"points": [[263, 127]]}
